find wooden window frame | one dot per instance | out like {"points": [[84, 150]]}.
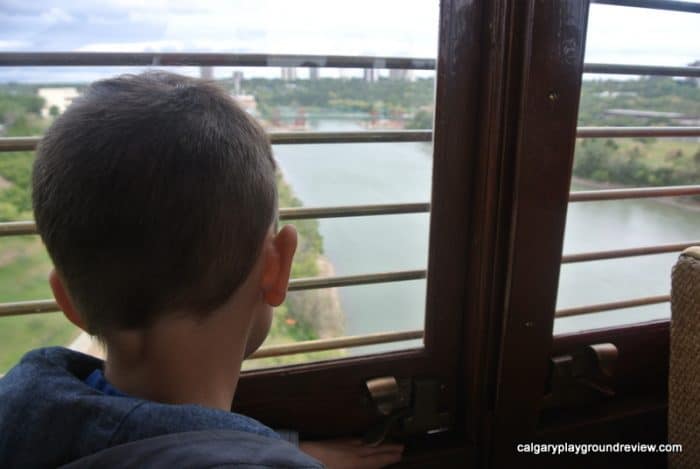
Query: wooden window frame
{"points": [[552, 36]]}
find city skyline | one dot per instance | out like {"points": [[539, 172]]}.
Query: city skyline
{"points": [[301, 27]]}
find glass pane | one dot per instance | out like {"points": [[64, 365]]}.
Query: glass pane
{"points": [[648, 37], [626, 35], [282, 99]]}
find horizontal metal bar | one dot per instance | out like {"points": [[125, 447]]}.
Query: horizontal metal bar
{"points": [[279, 138], [350, 280], [17, 228], [162, 59], [598, 308], [631, 252], [18, 143], [669, 5], [633, 193], [331, 344], [176, 59], [46, 306], [351, 211], [393, 136], [368, 136], [657, 70], [624, 132], [28, 307]]}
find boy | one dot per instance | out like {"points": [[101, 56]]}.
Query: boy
{"points": [[155, 197]]}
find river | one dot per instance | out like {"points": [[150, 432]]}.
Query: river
{"points": [[375, 173]]}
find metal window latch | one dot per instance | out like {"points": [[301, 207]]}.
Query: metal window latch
{"points": [[409, 407], [586, 375]]}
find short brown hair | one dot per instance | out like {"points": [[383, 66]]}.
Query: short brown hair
{"points": [[153, 193]]}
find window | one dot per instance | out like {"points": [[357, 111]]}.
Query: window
{"points": [[448, 201], [536, 398], [351, 135], [665, 102]]}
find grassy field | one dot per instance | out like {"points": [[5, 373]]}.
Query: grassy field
{"points": [[638, 162], [662, 152], [24, 267]]}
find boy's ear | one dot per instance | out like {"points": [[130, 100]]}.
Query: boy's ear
{"points": [[63, 299], [278, 265]]}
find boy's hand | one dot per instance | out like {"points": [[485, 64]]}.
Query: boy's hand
{"points": [[352, 453]]}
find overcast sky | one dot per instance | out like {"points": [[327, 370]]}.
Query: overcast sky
{"points": [[357, 27]]}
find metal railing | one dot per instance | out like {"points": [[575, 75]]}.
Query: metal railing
{"points": [[284, 138], [599, 308], [669, 5], [656, 70], [634, 132], [634, 193], [336, 343], [313, 283], [398, 136], [201, 59], [176, 59], [20, 228], [45, 306], [18, 308], [279, 138], [630, 252]]}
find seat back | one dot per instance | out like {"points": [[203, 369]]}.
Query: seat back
{"points": [[684, 373]]}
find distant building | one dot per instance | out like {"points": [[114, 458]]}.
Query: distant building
{"points": [[615, 94], [289, 73], [314, 73], [206, 73], [695, 79], [247, 102], [673, 118], [371, 74], [58, 98], [400, 74], [643, 113], [237, 79]]}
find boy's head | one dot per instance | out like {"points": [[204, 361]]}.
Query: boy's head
{"points": [[153, 193]]}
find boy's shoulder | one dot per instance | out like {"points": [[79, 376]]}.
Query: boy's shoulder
{"points": [[45, 401], [211, 448]]}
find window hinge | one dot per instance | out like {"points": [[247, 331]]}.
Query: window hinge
{"points": [[586, 375], [409, 407]]}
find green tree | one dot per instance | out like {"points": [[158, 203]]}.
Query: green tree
{"points": [[421, 120], [591, 159]]}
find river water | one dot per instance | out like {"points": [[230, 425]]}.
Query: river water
{"points": [[375, 173]]}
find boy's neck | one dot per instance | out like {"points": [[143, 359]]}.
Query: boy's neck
{"points": [[179, 361]]}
